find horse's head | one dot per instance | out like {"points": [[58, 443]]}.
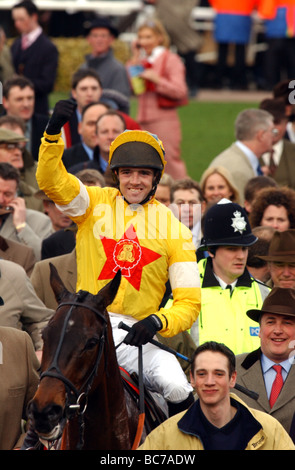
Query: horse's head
{"points": [[73, 354]]}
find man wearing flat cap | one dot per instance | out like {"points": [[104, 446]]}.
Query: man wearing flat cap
{"points": [[12, 146], [112, 73], [281, 259], [269, 370]]}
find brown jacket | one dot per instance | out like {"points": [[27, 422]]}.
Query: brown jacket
{"points": [[17, 252], [20, 307], [250, 376], [19, 381], [285, 172], [67, 270]]}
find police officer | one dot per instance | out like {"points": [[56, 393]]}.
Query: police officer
{"points": [[228, 290]]}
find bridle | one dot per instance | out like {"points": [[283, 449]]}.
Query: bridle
{"points": [[76, 397]]}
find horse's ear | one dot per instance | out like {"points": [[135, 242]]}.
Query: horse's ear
{"points": [[57, 285], [109, 291]]}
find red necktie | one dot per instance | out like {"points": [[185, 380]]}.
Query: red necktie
{"points": [[276, 386]]}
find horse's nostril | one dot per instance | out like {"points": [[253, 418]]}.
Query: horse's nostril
{"points": [[54, 413], [47, 418]]}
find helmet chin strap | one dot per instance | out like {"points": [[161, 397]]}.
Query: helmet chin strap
{"points": [[150, 195]]}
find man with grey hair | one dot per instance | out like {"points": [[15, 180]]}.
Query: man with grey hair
{"points": [[254, 131]]}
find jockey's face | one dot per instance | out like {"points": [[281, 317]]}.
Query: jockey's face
{"points": [[135, 183]]}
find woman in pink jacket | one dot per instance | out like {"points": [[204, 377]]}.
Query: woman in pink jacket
{"points": [[163, 74]]}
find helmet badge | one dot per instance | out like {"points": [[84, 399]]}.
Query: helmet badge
{"points": [[238, 222]]}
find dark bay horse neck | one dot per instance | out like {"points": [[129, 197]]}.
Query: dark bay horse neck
{"points": [[81, 394], [107, 423]]}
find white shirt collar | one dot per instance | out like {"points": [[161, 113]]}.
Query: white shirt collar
{"points": [[224, 285], [33, 35], [291, 131], [249, 154], [277, 153], [197, 234], [267, 364], [156, 52]]}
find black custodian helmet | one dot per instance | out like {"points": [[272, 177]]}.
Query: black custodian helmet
{"points": [[226, 224]]}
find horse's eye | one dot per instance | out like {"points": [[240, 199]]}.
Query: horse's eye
{"points": [[91, 343]]}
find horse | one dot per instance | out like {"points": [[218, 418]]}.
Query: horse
{"points": [[81, 401]]}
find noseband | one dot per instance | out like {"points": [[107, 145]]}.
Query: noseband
{"points": [[74, 396]]}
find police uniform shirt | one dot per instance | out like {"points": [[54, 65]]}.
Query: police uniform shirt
{"points": [[224, 285]]}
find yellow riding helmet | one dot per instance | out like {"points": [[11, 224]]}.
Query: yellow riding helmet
{"points": [[135, 148]]}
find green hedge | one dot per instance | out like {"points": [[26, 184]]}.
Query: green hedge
{"points": [[71, 55]]}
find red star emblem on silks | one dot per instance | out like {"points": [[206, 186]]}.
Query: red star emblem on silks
{"points": [[128, 256]]}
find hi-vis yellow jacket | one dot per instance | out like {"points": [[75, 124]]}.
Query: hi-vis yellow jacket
{"points": [[223, 315], [146, 242]]}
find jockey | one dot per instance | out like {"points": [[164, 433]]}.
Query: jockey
{"points": [[126, 228]]}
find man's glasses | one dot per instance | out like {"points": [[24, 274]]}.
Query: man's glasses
{"points": [[12, 145]]}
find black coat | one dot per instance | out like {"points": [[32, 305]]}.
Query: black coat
{"points": [[58, 243], [74, 155], [39, 64], [76, 159]]}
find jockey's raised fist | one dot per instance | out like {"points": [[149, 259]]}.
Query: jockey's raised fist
{"points": [[62, 112]]}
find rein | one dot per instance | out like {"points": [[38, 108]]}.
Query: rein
{"points": [[74, 396], [141, 417]]}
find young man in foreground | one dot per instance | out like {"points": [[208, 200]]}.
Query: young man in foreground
{"points": [[218, 420]]}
